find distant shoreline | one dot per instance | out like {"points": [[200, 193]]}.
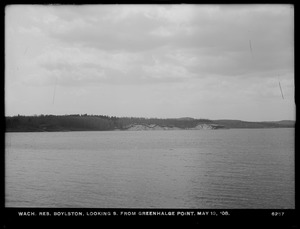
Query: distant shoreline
{"points": [[68, 123], [58, 131]]}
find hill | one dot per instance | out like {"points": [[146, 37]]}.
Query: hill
{"points": [[103, 123]]}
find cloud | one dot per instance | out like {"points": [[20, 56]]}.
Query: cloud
{"points": [[166, 71], [187, 56], [79, 66], [217, 36]]}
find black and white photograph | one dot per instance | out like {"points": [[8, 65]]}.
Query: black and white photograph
{"points": [[159, 106]]}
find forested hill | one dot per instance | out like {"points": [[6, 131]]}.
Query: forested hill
{"points": [[101, 123]]}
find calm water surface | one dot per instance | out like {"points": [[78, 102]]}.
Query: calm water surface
{"points": [[236, 168]]}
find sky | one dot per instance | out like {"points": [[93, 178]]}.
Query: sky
{"points": [[153, 61]]}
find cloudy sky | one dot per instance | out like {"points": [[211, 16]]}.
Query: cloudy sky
{"points": [[201, 61]]}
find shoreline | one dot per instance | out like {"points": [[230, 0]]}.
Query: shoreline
{"points": [[47, 131], [106, 123]]}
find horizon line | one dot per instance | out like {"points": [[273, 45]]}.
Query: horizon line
{"points": [[186, 117]]}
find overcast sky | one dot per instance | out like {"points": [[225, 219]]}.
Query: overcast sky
{"points": [[201, 61]]}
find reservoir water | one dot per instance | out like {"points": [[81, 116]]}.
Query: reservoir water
{"points": [[234, 168]]}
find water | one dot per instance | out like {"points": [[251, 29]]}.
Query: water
{"points": [[236, 168]]}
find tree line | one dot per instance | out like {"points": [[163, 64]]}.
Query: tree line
{"points": [[85, 122], [89, 122]]}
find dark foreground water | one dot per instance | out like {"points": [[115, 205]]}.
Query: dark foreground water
{"points": [[237, 168]]}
